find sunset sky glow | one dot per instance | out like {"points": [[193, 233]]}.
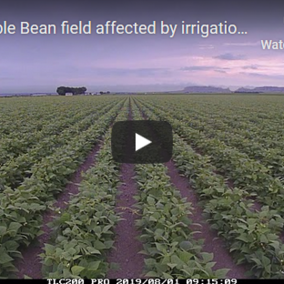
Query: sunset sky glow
{"points": [[40, 63]]}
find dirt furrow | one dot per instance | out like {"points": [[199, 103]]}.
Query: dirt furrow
{"points": [[127, 246], [212, 243], [31, 265], [282, 237]]}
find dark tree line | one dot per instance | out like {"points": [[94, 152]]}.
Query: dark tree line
{"points": [[75, 91]]}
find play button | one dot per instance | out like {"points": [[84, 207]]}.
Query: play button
{"points": [[141, 141]]}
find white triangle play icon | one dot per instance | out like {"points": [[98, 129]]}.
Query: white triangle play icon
{"points": [[141, 142]]}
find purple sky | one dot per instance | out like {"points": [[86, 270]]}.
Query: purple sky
{"points": [[41, 63]]}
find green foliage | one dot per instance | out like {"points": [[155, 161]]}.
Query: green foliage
{"points": [[171, 249], [25, 204], [252, 236], [84, 232]]}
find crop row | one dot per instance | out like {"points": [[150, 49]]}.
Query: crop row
{"points": [[84, 231], [236, 109], [172, 251], [34, 119], [16, 115], [273, 159], [12, 147], [246, 173], [252, 126], [20, 116], [21, 208], [251, 236], [14, 171]]}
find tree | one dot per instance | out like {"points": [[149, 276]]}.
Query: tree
{"points": [[62, 90]]}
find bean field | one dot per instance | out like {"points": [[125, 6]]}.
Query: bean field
{"points": [[215, 210]]}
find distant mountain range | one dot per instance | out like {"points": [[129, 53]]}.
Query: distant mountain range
{"points": [[265, 89], [219, 90]]}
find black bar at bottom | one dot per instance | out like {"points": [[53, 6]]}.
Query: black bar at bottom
{"points": [[141, 281]]}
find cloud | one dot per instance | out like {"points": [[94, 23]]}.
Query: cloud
{"points": [[206, 46], [261, 75], [197, 68], [205, 68], [242, 43], [220, 71], [230, 56], [252, 67]]}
